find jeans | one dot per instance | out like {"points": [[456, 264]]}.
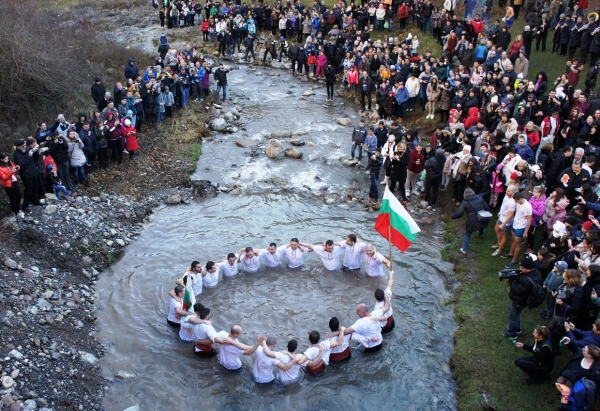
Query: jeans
{"points": [[379, 25], [432, 184], [251, 51], [514, 319], [197, 90], [360, 148], [401, 110], [79, 174], [236, 42], [467, 239], [186, 96], [427, 21], [14, 194], [224, 87], [374, 190], [58, 190]]}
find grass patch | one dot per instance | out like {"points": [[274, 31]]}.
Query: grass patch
{"points": [[482, 361], [195, 151]]}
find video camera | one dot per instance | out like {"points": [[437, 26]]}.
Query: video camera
{"points": [[509, 274]]}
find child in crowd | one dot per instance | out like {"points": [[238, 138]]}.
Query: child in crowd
{"points": [[496, 187], [54, 181], [447, 171]]}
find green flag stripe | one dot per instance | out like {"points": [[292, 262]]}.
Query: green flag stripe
{"points": [[397, 222]]}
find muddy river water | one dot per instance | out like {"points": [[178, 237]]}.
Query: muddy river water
{"points": [[411, 372]]}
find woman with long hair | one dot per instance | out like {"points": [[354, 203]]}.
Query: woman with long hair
{"points": [[8, 179]]}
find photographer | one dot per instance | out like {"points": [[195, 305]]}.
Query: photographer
{"points": [[542, 360], [77, 157], [102, 134], [32, 145], [521, 287], [90, 145], [59, 150], [569, 298], [27, 161]]}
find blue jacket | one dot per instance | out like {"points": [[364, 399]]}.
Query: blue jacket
{"points": [[401, 95], [525, 152], [481, 52], [371, 142], [583, 338]]}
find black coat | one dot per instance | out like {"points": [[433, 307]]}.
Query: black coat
{"points": [[434, 166], [97, 92], [59, 150], [521, 287], [471, 204], [28, 164]]}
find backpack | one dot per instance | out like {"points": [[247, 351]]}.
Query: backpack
{"points": [[537, 295]]}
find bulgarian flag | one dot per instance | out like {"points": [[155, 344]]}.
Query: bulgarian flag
{"points": [[189, 299], [394, 223]]}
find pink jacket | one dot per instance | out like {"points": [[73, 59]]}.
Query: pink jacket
{"points": [[497, 185], [321, 60], [538, 207]]}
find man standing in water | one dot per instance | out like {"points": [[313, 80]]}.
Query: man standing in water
{"points": [[353, 250], [229, 355], [229, 267], [205, 335], [294, 253], [286, 357], [367, 329], [381, 297], [250, 259], [272, 255], [194, 273], [329, 253], [263, 362], [317, 356]]}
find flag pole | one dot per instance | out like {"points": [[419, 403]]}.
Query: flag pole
{"points": [[390, 244]]}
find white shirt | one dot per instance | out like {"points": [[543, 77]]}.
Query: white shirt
{"points": [[379, 304], [290, 375], [210, 279], [352, 254], [374, 265], [229, 270], [252, 264], [508, 205], [367, 328], [173, 304], [313, 352], [331, 261], [263, 366], [343, 346], [202, 331], [186, 332], [523, 210], [229, 355], [295, 258], [196, 281], [271, 260]]}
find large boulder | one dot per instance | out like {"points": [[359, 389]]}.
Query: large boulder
{"points": [[293, 153], [228, 117], [344, 121], [218, 124], [274, 149], [244, 142]]}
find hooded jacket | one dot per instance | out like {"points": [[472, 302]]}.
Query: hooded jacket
{"points": [[131, 71], [471, 204], [435, 166]]}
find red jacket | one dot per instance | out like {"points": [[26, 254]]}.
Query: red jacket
{"points": [[546, 126], [7, 171], [477, 26], [130, 135], [472, 119], [353, 77], [533, 138], [403, 11], [412, 161]]}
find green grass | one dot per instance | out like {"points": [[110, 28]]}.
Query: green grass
{"points": [[482, 361], [195, 151]]}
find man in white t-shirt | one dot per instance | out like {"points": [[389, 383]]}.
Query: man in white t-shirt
{"points": [[505, 217], [317, 356], [380, 298], [294, 253], [263, 363], [193, 273], [374, 262], [286, 357], [249, 259], [186, 332], [205, 335], [272, 255], [353, 250], [329, 253], [229, 355], [520, 227], [210, 274], [229, 267], [367, 329], [342, 351]]}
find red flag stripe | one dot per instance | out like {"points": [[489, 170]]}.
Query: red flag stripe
{"points": [[382, 225]]}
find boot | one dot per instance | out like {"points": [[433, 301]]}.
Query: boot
{"points": [[385, 181]]}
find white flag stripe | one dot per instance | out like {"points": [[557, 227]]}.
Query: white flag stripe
{"points": [[400, 210]]}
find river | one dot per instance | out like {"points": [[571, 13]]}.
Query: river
{"points": [[277, 203]]}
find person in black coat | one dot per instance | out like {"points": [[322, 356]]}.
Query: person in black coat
{"points": [[400, 160], [59, 150], [569, 300], [472, 204], [98, 91], [27, 159], [542, 360], [558, 164], [365, 84], [520, 290], [434, 168], [330, 79]]}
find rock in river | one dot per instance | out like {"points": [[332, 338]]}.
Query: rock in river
{"points": [[218, 124], [293, 153], [274, 149], [346, 122], [297, 142], [244, 142]]}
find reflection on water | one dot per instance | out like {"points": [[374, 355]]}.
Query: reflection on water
{"points": [[410, 372]]}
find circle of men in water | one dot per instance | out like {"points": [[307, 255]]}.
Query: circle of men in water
{"points": [[195, 327]]}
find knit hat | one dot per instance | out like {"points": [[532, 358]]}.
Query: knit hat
{"points": [[527, 263], [572, 221], [19, 142], [514, 176], [469, 192], [499, 167], [559, 229], [588, 225], [561, 266], [49, 167], [562, 204]]}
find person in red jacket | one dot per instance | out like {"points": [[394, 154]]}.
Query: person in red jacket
{"points": [[472, 119], [352, 79], [533, 135], [477, 25], [403, 12], [416, 162], [8, 179], [130, 136]]}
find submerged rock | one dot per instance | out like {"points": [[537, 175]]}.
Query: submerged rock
{"points": [[293, 153], [244, 142], [274, 149]]}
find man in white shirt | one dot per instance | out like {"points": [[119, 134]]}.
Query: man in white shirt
{"points": [[341, 352], [229, 267], [210, 275], [374, 262], [249, 259], [380, 298], [263, 363], [186, 332], [317, 356], [520, 227], [286, 357], [294, 253], [193, 273], [272, 255], [329, 253], [353, 250], [229, 355], [505, 219], [368, 327], [205, 335]]}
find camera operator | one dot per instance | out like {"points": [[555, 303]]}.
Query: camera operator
{"points": [[520, 289], [59, 150], [26, 159], [32, 145]]}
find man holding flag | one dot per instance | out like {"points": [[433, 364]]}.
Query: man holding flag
{"points": [[395, 224]]}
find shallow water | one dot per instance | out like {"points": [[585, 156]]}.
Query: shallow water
{"points": [[411, 372]]}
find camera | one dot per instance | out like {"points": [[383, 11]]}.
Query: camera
{"points": [[509, 274]]}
